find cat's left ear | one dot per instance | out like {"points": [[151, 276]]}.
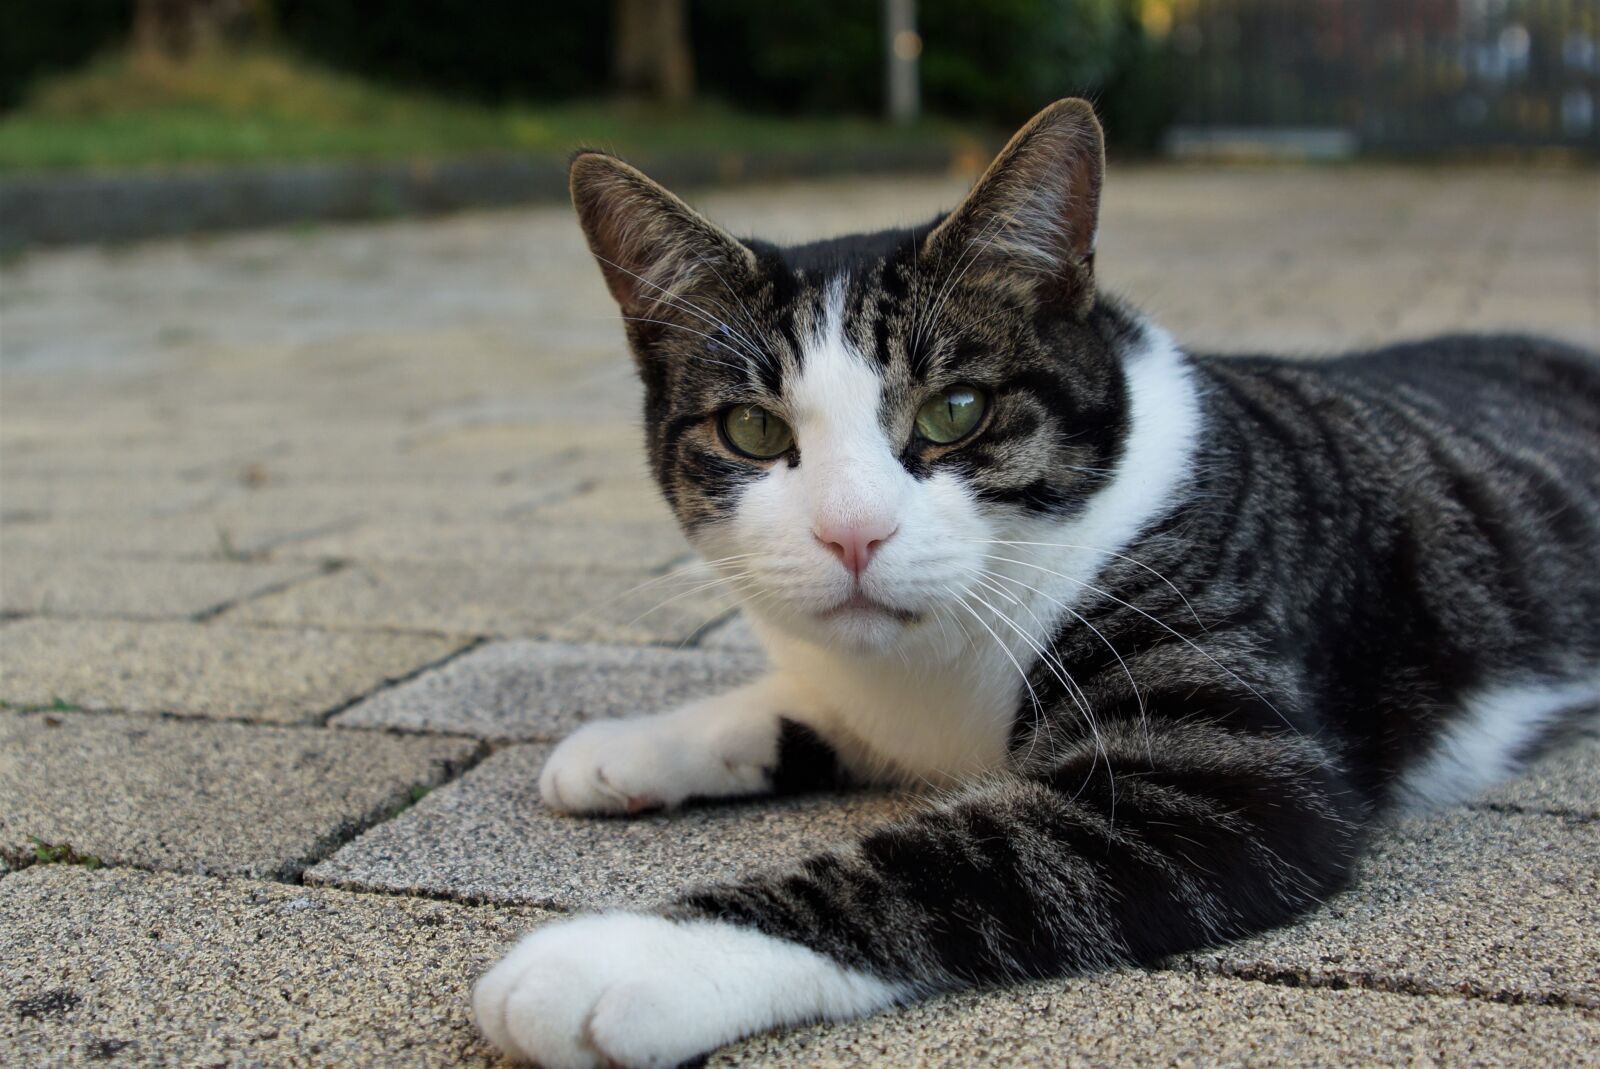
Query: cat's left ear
{"points": [[1034, 213], [654, 250]]}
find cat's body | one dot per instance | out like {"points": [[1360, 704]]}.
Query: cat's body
{"points": [[1168, 631]]}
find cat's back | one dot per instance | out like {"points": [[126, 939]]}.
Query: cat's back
{"points": [[1465, 469], [1462, 396]]}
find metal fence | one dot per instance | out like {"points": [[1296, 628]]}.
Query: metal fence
{"points": [[1411, 76]]}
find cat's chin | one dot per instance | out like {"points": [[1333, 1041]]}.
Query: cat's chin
{"points": [[856, 626]]}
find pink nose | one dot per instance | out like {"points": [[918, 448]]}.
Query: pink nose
{"points": [[855, 544]]}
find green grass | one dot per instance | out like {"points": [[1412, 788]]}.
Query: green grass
{"points": [[130, 111], [61, 854], [57, 705]]}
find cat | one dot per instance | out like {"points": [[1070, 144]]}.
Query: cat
{"points": [[1166, 632]]}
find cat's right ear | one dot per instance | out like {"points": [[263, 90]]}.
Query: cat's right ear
{"points": [[652, 247], [1034, 213]]}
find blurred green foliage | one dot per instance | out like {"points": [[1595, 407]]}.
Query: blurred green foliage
{"points": [[248, 105], [995, 61]]}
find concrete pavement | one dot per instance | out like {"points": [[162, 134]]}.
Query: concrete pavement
{"points": [[312, 542]]}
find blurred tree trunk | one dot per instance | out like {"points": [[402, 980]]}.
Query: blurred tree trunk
{"points": [[173, 29], [650, 50], [902, 91]]}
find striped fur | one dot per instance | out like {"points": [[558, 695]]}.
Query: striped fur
{"points": [[1169, 631]]}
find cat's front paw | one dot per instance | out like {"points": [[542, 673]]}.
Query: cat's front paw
{"points": [[641, 991], [630, 766]]}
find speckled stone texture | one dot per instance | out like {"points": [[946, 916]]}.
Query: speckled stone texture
{"points": [[524, 540], [1566, 782], [201, 797], [52, 585], [1185, 1020], [120, 968], [444, 412], [487, 838], [1502, 906], [485, 599], [540, 691], [283, 675]]}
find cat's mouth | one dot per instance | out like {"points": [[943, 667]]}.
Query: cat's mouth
{"points": [[859, 603]]}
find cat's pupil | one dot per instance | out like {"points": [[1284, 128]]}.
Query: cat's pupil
{"points": [[950, 415]]}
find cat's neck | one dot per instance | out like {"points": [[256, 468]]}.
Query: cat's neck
{"points": [[941, 706]]}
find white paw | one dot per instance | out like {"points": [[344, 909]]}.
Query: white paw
{"points": [[708, 750], [643, 992]]}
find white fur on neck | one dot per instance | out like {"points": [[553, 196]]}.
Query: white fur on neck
{"points": [[1493, 731], [942, 713]]}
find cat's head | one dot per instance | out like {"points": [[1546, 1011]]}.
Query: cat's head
{"points": [[849, 430]]}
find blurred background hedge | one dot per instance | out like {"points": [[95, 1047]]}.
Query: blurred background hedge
{"points": [[994, 62]]}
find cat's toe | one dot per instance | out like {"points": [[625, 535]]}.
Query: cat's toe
{"points": [[534, 1005], [634, 766], [656, 1021], [608, 990], [575, 779]]}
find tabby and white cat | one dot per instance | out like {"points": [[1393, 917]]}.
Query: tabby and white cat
{"points": [[1169, 629]]}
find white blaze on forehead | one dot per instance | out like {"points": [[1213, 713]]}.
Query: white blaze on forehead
{"points": [[847, 462]]}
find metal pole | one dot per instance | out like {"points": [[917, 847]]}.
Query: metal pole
{"points": [[902, 47]]}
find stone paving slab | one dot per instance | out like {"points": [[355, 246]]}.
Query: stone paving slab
{"points": [[434, 375], [486, 838], [153, 969], [202, 798], [1499, 905], [523, 541], [200, 457], [32, 497], [483, 599], [367, 499], [634, 501], [124, 968], [1485, 902], [220, 533], [57, 585], [1184, 1020], [541, 691], [1566, 782], [283, 675]]}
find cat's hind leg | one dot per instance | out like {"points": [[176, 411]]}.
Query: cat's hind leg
{"points": [[751, 740]]}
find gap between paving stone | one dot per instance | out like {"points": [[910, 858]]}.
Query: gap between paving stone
{"points": [[213, 797], [1421, 914], [1491, 906], [329, 567], [1180, 1019], [72, 587], [525, 690], [159, 969], [217, 671], [552, 603], [231, 970], [487, 838], [405, 681]]}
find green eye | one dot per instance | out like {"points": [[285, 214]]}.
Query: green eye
{"points": [[950, 415], [755, 432]]}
